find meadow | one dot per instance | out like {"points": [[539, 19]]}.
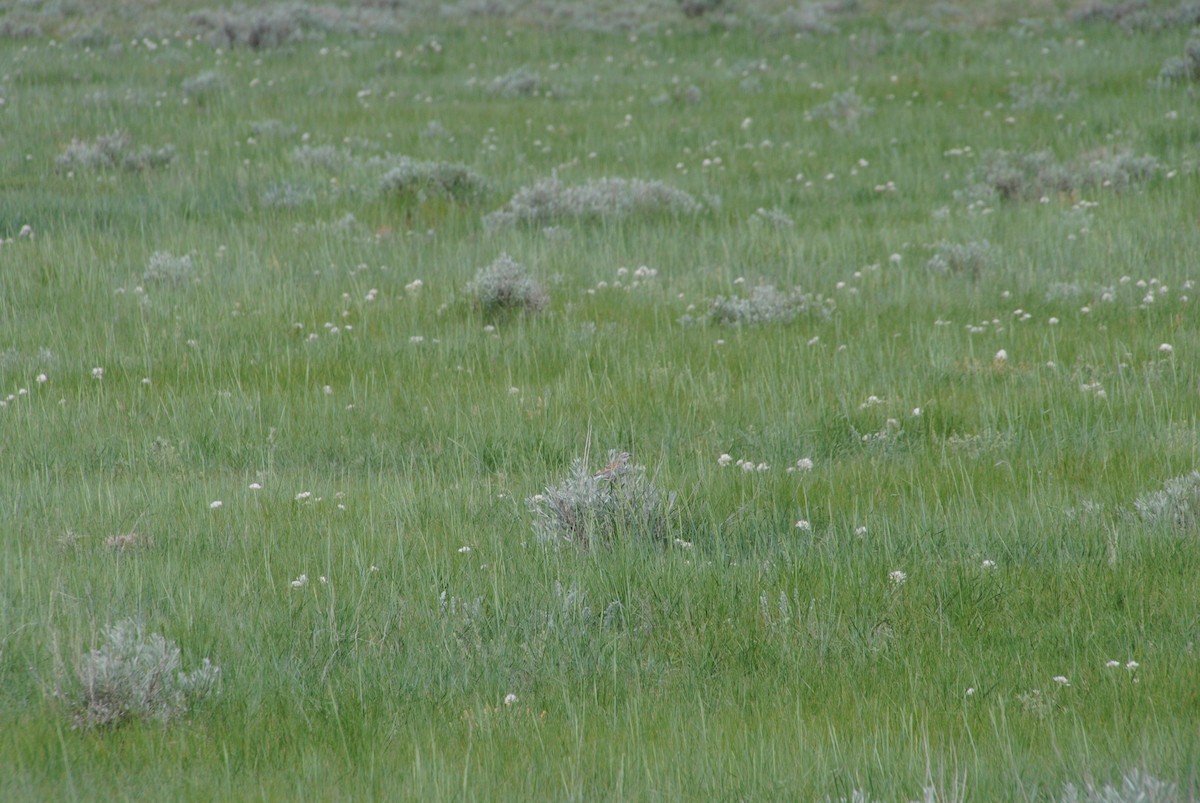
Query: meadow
{"points": [[319, 323]]}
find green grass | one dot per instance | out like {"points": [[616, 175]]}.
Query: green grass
{"points": [[744, 659]]}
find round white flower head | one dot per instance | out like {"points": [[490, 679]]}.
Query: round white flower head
{"points": [[897, 577], [1061, 680], [215, 505], [510, 698]]}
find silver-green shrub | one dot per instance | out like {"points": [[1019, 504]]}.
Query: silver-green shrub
{"points": [[598, 508], [134, 675], [506, 285], [549, 200], [420, 181], [1012, 176], [967, 258], [843, 111], [1184, 69], [1176, 505], [166, 268], [520, 83], [113, 151], [766, 304], [1136, 787]]}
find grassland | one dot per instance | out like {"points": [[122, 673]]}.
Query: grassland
{"points": [[933, 533]]}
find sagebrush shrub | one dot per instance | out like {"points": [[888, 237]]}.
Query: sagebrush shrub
{"points": [[966, 258], [113, 151], [520, 83], [133, 675], [505, 285], [766, 304], [1012, 176], [1136, 787], [1176, 505], [549, 200], [164, 267], [204, 85], [598, 508], [412, 179], [1186, 68], [843, 111]]}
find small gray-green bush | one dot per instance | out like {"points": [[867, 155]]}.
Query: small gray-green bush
{"points": [[1176, 505], [1042, 95], [698, 8], [113, 151], [1185, 69], [843, 111], [1016, 176], [1136, 787], [594, 509], [550, 200], [506, 285], [166, 268], [133, 675], [965, 258], [520, 83], [411, 179], [286, 195], [766, 304], [206, 84]]}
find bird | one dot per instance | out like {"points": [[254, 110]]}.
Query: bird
{"points": [[614, 467]]}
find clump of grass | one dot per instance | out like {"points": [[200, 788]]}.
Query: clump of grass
{"points": [[1185, 69], [843, 111], [111, 152], [592, 509], [1017, 176], [1175, 506], [411, 179], [166, 268], [134, 675], [1136, 787], [964, 258], [766, 304], [505, 285], [549, 200]]}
